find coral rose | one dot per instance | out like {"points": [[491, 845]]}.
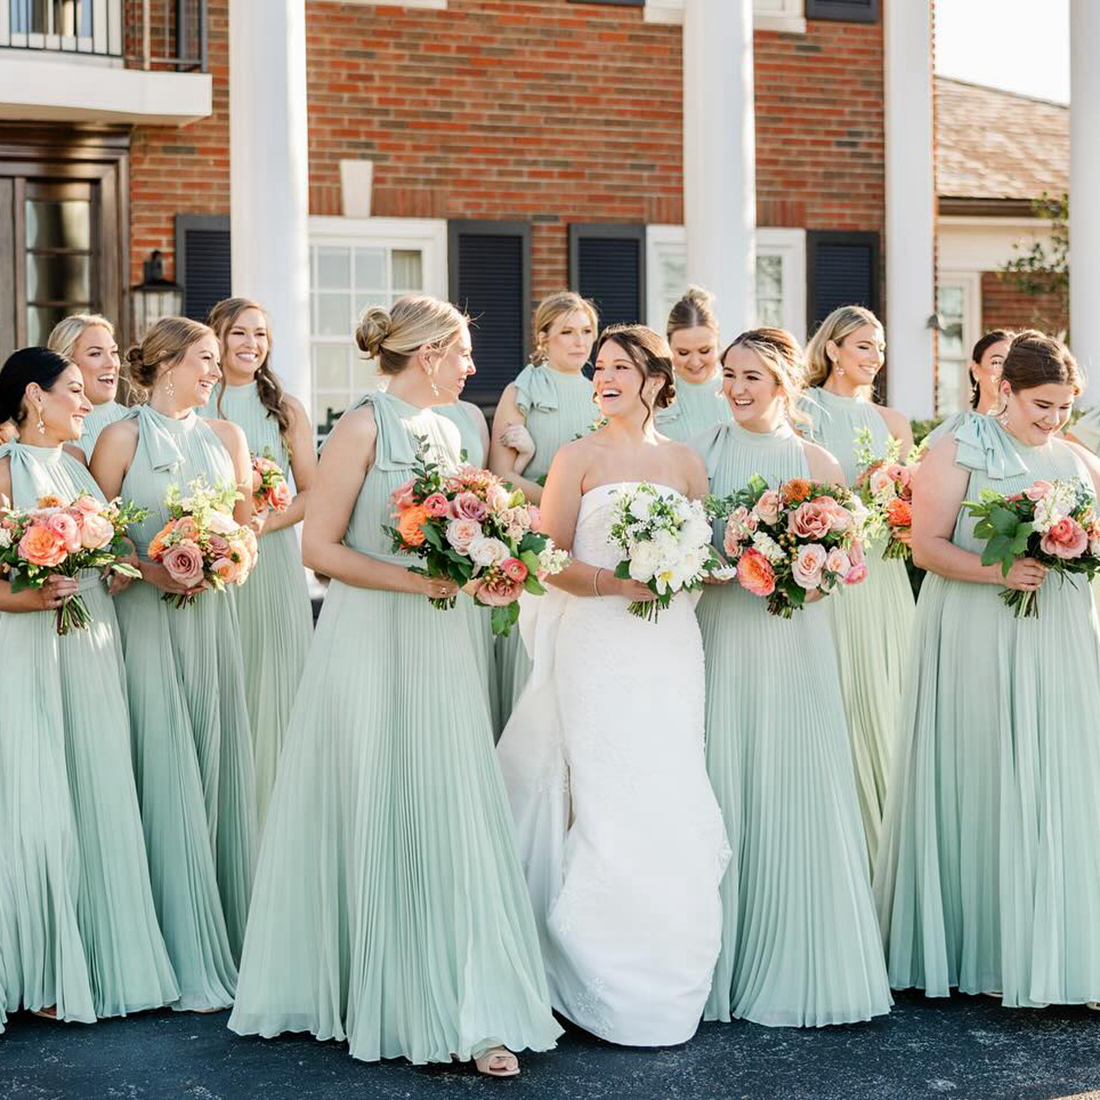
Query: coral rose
{"points": [[279, 496], [809, 564], [96, 533], [156, 547], [514, 569], [498, 590], [436, 505], [899, 513], [229, 570], [755, 574], [184, 564], [1066, 539], [409, 525], [41, 545]]}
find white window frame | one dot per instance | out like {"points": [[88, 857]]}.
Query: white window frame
{"points": [[790, 20], [788, 244], [436, 5], [970, 282]]}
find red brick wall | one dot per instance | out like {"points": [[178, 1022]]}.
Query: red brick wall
{"points": [[1004, 305], [539, 109]]}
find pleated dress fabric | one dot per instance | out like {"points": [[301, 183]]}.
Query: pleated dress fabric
{"points": [[557, 409], [276, 617], [478, 617], [96, 421], [872, 622], [989, 872], [78, 928], [698, 406], [390, 908], [192, 747], [800, 943], [945, 428]]}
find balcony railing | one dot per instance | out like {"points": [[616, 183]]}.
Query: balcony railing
{"points": [[166, 35]]}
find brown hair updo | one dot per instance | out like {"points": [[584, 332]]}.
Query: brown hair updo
{"points": [[780, 352], [392, 335], [694, 310], [1035, 359], [984, 343], [166, 341], [650, 354], [268, 387]]}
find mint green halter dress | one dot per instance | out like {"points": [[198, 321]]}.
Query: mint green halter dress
{"points": [[192, 748], [96, 421], [698, 406], [78, 927], [275, 614], [390, 907]]}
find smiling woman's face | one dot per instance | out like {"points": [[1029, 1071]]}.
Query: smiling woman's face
{"points": [[96, 354], [197, 372]]}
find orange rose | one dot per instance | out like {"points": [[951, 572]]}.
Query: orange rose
{"points": [[408, 524], [795, 490], [156, 547], [899, 513], [42, 546]]}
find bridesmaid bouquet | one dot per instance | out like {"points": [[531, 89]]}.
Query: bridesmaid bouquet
{"points": [[66, 539], [666, 540], [885, 485], [802, 537], [1054, 522], [470, 527], [202, 545], [269, 485]]}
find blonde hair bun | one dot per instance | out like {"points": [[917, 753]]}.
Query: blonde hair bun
{"points": [[375, 325]]}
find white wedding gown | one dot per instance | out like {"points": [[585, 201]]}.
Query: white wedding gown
{"points": [[620, 835]]}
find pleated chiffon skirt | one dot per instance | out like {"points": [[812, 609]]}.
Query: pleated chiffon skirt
{"points": [[390, 909], [78, 927], [989, 872], [800, 945]]}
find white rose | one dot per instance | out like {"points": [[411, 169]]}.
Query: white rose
{"points": [[222, 524], [487, 552], [641, 505], [644, 562]]}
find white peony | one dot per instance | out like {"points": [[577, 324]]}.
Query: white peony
{"points": [[644, 562], [641, 506], [487, 552], [222, 524]]}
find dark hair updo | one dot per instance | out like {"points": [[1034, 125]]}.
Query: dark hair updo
{"points": [[650, 353], [996, 336], [1035, 359], [21, 369]]}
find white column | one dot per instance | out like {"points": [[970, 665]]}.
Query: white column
{"points": [[910, 207], [720, 157], [269, 175], [1084, 186]]}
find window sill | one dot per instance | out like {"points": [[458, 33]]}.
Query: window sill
{"points": [[672, 11]]}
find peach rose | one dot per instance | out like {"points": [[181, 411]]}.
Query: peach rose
{"points": [[409, 524], [184, 564], [97, 532], [838, 563], [811, 520], [767, 507], [1039, 490], [899, 513], [229, 570], [67, 528], [755, 574], [840, 519], [88, 505], [1066, 539], [461, 532], [42, 545], [809, 564], [498, 589], [279, 496], [514, 569], [156, 547], [187, 528], [402, 497], [436, 505]]}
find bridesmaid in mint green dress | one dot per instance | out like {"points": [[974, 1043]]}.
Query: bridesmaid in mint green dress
{"points": [[274, 608], [191, 744], [986, 361], [89, 341], [474, 432], [989, 869], [872, 622], [693, 338], [800, 943], [390, 908], [79, 937], [548, 405]]}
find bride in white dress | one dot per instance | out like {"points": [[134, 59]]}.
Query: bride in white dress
{"points": [[620, 835]]}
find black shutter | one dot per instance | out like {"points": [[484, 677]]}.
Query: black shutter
{"points": [[842, 270], [489, 266], [607, 264], [845, 11], [202, 262]]}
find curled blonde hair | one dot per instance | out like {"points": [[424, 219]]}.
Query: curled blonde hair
{"points": [[842, 322], [67, 331], [392, 335], [780, 352], [166, 342], [559, 304]]}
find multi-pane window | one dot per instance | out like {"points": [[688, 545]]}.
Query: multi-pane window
{"points": [[769, 289], [952, 390]]}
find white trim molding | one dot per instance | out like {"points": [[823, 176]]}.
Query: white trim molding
{"points": [[435, 5], [790, 246], [784, 16]]}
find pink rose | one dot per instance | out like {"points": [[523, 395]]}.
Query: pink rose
{"points": [[498, 498], [280, 496], [767, 507], [97, 532], [808, 565], [514, 569], [810, 520], [461, 532], [88, 505], [838, 562], [436, 505], [1039, 490], [534, 517], [219, 544], [840, 519], [469, 506], [731, 541], [858, 558], [64, 525], [755, 573], [498, 589], [1066, 539], [402, 497], [184, 564]]}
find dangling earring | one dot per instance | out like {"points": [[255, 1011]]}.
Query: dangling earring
{"points": [[1002, 416], [41, 424], [169, 387], [431, 382]]}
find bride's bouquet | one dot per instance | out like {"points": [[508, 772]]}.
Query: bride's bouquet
{"points": [[666, 542], [1054, 522], [202, 545], [885, 485], [469, 526], [66, 539], [785, 543]]}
